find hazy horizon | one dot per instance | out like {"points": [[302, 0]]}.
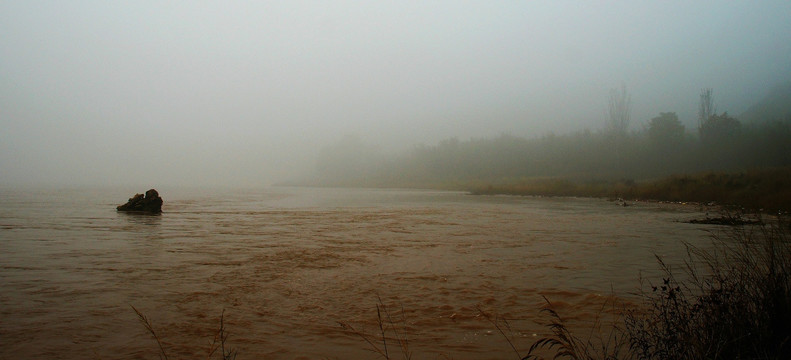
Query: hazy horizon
{"points": [[246, 93]]}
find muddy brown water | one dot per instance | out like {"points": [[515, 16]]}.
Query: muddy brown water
{"points": [[289, 265]]}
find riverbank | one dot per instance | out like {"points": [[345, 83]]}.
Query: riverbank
{"points": [[760, 190]]}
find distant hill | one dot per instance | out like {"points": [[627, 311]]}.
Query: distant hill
{"points": [[774, 106]]}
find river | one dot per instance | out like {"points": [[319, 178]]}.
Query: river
{"points": [[288, 266]]}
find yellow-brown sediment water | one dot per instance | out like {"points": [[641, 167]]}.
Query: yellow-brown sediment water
{"points": [[289, 265]]}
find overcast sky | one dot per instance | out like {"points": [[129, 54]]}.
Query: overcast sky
{"points": [[247, 92]]}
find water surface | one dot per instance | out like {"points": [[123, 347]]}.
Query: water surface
{"points": [[288, 264]]}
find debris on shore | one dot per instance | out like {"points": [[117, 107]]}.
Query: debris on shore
{"points": [[726, 220]]}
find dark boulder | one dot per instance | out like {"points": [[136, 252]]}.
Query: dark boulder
{"points": [[150, 203]]}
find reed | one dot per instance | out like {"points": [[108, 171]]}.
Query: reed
{"points": [[496, 321], [219, 342], [385, 324], [730, 300], [605, 341], [150, 328]]}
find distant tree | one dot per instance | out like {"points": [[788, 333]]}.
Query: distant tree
{"points": [[719, 130], [665, 130], [619, 111], [705, 107], [769, 143]]}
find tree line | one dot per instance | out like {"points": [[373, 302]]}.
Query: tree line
{"points": [[663, 146]]}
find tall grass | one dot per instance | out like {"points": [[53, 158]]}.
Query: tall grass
{"points": [[768, 189], [219, 342], [396, 330], [730, 300], [603, 341]]}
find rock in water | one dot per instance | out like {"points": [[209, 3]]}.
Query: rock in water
{"points": [[150, 203]]}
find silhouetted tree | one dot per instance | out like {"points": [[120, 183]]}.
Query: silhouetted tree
{"points": [[719, 130], [767, 143], [665, 130], [668, 151], [620, 113], [705, 107]]}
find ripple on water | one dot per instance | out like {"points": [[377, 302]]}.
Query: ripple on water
{"points": [[287, 265]]}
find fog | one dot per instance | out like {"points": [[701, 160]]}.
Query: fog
{"points": [[249, 93]]}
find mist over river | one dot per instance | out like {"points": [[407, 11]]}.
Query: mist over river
{"points": [[288, 264]]}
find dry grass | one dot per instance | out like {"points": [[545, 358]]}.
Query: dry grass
{"points": [[731, 300], [764, 189], [603, 341], [219, 342], [147, 324], [386, 325], [767, 189], [499, 323]]}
